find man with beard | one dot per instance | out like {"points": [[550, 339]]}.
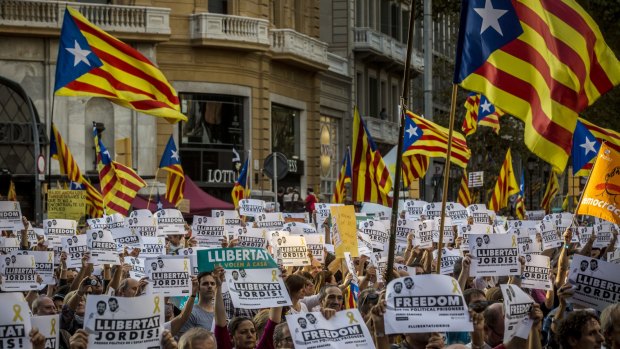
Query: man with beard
{"points": [[203, 313]]}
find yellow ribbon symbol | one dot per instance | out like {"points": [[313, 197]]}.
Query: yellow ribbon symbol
{"points": [[49, 257], [17, 309], [514, 241], [32, 260], [53, 324], [455, 287], [156, 302], [488, 230], [185, 265], [351, 317], [274, 276]]}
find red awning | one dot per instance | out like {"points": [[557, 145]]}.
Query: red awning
{"points": [[200, 203]]}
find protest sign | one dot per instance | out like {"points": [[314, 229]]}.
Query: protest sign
{"points": [[153, 246], [449, 257], [536, 272], [8, 245], [614, 256], [192, 254], [596, 282], [168, 275], [45, 265], [344, 230], [298, 228], [141, 213], [97, 223], [376, 211], [231, 217], [170, 218], [49, 327], [145, 226], [301, 217], [494, 254], [316, 245], [251, 207], [401, 267], [414, 209], [603, 234], [59, 227], [448, 231], [208, 231], [457, 213], [424, 233], [137, 271], [351, 267], [404, 227], [256, 288], [346, 329], [14, 321], [479, 214], [124, 322], [549, 234], [425, 303], [10, 216], [517, 306], [31, 234], [19, 273], [75, 246], [293, 251], [102, 247], [66, 204], [126, 237], [235, 258], [432, 210], [269, 221], [170, 230], [251, 237], [376, 231], [535, 215], [322, 212]]}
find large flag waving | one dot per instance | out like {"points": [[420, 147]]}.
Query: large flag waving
{"points": [[602, 135], [601, 195], [93, 63], [119, 183], [343, 177], [429, 139], [414, 167], [371, 180], [171, 162], [464, 195], [240, 189], [506, 185], [585, 147], [520, 204], [551, 191], [542, 61]]}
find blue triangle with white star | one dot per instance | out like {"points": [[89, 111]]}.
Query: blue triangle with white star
{"points": [[485, 108], [412, 133], [585, 147], [170, 156]]}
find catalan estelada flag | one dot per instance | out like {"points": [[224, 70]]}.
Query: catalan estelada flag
{"points": [[93, 63], [429, 139], [343, 177], [505, 186], [240, 188], [600, 196], [542, 61], [520, 204], [414, 167], [119, 183], [171, 162], [602, 135], [479, 111], [550, 192], [68, 166], [464, 195], [370, 181]]}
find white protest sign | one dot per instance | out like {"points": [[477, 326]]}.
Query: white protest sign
{"points": [[299, 228], [293, 251], [208, 231], [192, 254], [19, 273], [479, 213], [517, 305], [59, 227], [256, 288], [126, 237], [137, 271], [251, 207], [10, 216], [316, 245], [494, 254], [603, 234], [424, 233], [153, 246], [457, 213], [251, 237], [404, 227], [97, 223], [8, 245], [269, 221], [376, 231], [536, 272], [115, 220], [145, 226], [346, 329], [377, 211], [168, 275], [448, 232], [614, 256], [170, 230], [75, 246], [231, 217], [102, 247], [448, 260], [168, 220], [425, 303], [535, 215], [549, 234], [14, 321], [124, 322], [31, 234], [414, 209], [432, 210], [45, 265], [49, 327], [596, 282], [351, 267], [141, 213]]}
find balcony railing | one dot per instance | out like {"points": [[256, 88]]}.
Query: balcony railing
{"points": [[386, 46], [41, 14], [382, 130], [300, 47], [231, 29], [338, 64]]}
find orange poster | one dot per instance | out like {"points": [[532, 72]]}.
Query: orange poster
{"points": [[601, 197]]}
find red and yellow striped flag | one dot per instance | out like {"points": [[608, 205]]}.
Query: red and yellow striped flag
{"points": [[343, 177], [93, 63], [611, 137], [414, 167], [371, 180], [543, 61], [470, 122], [464, 195], [550, 192], [506, 185]]}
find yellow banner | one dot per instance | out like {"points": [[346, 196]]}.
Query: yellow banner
{"points": [[345, 232], [67, 204], [601, 197]]}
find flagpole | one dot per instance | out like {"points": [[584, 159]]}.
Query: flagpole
{"points": [[446, 175], [399, 160], [151, 191]]}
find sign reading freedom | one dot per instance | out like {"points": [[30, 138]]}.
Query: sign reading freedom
{"points": [[235, 258]]}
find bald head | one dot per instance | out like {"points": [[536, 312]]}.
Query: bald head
{"points": [[128, 288]]}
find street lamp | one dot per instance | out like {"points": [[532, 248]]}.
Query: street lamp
{"points": [[531, 166]]}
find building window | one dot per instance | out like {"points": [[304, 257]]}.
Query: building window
{"points": [[359, 91], [373, 97], [385, 17], [218, 6], [330, 155], [285, 133], [394, 18]]}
